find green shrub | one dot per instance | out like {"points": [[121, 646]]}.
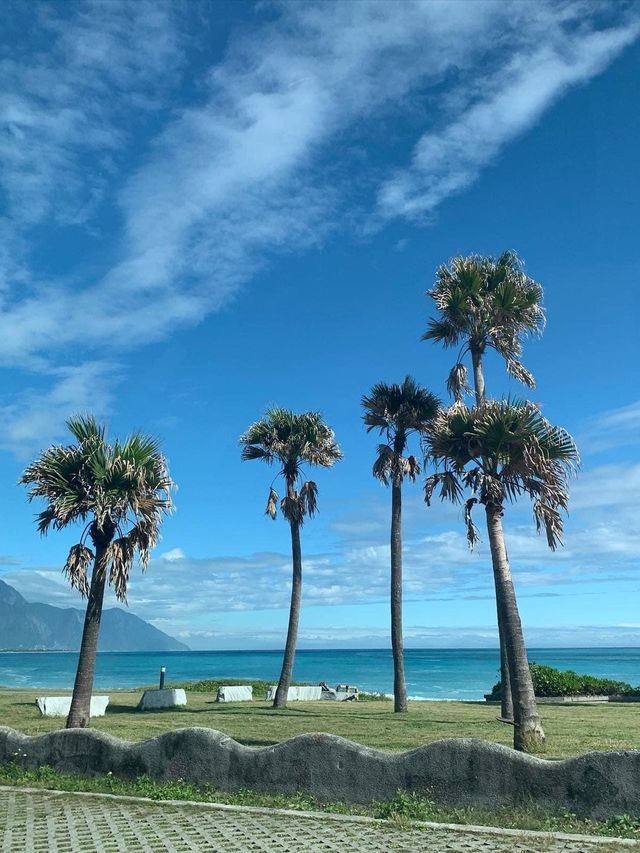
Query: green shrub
{"points": [[548, 681]]}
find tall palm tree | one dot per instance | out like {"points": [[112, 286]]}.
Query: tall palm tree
{"points": [[486, 303], [397, 411], [502, 450], [120, 491], [290, 441]]}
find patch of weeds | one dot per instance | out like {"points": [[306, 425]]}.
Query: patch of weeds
{"points": [[404, 809]]}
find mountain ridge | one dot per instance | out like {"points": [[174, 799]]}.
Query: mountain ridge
{"points": [[36, 626]]}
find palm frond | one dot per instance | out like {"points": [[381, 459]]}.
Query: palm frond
{"points": [[457, 382], [309, 498], [472, 531], [85, 428], [483, 301], [76, 568], [383, 466], [442, 332], [292, 508], [450, 488], [272, 504], [110, 485], [121, 554], [516, 369], [502, 450]]}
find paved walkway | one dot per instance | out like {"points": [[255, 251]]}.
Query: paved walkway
{"points": [[51, 822]]}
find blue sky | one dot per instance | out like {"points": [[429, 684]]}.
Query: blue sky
{"points": [[206, 208]]}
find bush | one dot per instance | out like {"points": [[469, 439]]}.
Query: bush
{"points": [[548, 681]]}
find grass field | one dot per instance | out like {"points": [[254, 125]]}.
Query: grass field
{"points": [[570, 730]]}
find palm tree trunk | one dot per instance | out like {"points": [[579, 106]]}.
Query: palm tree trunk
{"points": [[506, 702], [397, 643], [280, 700], [80, 710], [528, 735], [478, 375]]}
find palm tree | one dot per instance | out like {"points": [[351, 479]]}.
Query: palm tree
{"points": [[397, 411], [290, 441], [108, 487], [501, 450], [484, 303]]}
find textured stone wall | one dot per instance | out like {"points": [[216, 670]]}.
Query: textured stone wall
{"points": [[462, 771]]}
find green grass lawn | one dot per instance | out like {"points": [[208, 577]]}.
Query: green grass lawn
{"points": [[570, 729]]}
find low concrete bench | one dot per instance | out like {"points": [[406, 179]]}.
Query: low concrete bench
{"points": [[297, 694], [59, 706], [165, 698], [234, 693]]}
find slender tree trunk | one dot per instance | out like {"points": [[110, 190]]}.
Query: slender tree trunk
{"points": [[506, 702], [294, 618], [478, 375], [528, 735], [80, 711], [397, 642]]}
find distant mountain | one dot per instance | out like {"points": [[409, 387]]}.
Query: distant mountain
{"points": [[40, 627]]}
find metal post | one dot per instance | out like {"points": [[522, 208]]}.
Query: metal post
{"points": [[163, 669]]}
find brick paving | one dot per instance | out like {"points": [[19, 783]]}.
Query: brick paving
{"points": [[51, 822]]}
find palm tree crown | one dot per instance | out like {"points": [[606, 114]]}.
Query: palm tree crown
{"points": [[397, 411], [484, 302], [290, 440], [116, 486], [501, 450]]}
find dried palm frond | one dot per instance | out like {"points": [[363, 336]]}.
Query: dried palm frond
{"points": [[292, 508], [383, 465], [121, 554], [516, 369], [457, 382], [472, 530], [272, 504], [309, 498], [77, 566]]}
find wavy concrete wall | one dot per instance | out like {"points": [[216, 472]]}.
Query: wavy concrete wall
{"points": [[463, 772]]}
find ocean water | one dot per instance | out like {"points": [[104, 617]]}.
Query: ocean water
{"points": [[463, 674]]}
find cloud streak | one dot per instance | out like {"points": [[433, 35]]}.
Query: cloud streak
{"points": [[447, 160], [243, 174]]}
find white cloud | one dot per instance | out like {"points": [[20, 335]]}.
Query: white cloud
{"points": [[612, 429], [34, 417], [173, 555], [447, 160], [243, 168], [103, 58], [241, 174]]}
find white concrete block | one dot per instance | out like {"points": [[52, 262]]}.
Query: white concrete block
{"points": [[297, 694], [59, 706], [235, 693], [165, 698]]}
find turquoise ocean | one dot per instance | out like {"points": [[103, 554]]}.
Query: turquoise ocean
{"points": [[464, 674]]}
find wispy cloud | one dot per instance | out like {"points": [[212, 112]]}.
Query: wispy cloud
{"points": [[448, 159], [612, 429], [34, 413], [69, 85], [240, 167]]}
